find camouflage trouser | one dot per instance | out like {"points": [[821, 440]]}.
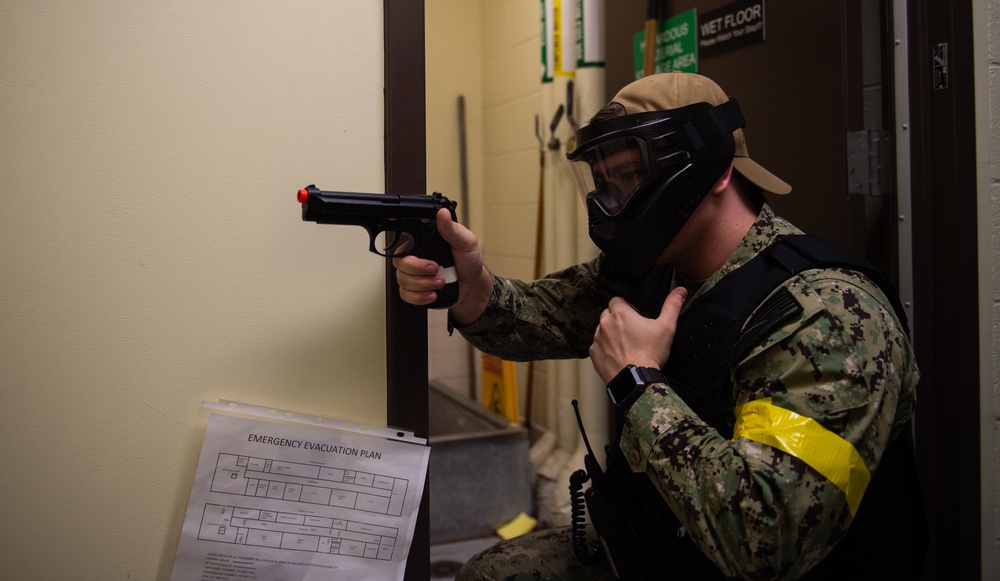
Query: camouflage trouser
{"points": [[541, 555]]}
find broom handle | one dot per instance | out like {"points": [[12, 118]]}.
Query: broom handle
{"points": [[649, 55]]}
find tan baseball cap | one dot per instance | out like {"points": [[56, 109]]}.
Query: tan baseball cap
{"points": [[674, 90]]}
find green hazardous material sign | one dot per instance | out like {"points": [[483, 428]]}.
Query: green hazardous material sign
{"points": [[676, 45]]}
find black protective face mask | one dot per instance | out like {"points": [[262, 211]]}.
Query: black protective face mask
{"points": [[643, 175]]}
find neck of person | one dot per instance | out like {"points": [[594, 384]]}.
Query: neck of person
{"points": [[714, 230]]}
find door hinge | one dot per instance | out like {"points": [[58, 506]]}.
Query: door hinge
{"points": [[868, 162]]}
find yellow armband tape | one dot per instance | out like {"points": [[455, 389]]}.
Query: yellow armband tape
{"points": [[825, 452]]}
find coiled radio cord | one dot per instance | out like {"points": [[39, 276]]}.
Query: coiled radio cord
{"points": [[578, 508]]}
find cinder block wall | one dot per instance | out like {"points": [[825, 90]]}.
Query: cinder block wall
{"points": [[511, 99], [489, 51], [454, 69]]}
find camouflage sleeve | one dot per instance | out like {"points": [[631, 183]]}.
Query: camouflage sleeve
{"points": [[762, 508], [551, 318]]}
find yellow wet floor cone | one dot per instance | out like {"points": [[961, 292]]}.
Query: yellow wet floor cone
{"points": [[499, 386]]}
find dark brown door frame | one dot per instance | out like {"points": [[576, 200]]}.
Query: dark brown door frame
{"points": [[405, 173], [946, 284]]}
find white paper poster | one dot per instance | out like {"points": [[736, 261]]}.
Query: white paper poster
{"points": [[293, 499]]}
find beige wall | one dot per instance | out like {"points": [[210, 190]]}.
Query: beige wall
{"points": [[152, 256]]}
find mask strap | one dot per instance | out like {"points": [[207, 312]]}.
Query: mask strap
{"points": [[709, 123], [725, 118]]}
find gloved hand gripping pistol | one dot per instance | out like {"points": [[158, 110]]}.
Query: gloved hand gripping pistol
{"points": [[398, 225]]}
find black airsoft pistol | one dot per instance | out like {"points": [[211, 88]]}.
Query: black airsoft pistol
{"points": [[398, 225]]}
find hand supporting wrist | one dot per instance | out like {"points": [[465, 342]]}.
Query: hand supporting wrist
{"points": [[475, 299]]}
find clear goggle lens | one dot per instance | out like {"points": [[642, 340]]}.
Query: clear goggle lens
{"points": [[611, 171]]}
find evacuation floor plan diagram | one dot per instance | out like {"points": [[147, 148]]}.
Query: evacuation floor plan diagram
{"points": [[296, 532], [305, 529], [262, 477]]}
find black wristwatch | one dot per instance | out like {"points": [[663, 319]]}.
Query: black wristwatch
{"points": [[628, 385]]}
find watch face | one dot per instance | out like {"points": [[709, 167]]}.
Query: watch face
{"points": [[623, 384], [630, 382]]}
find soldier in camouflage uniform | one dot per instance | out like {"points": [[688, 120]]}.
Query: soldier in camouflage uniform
{"points": [[769, 491]]}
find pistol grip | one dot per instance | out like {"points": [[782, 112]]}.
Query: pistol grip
{"points": [[447, 296], [440, 251]]}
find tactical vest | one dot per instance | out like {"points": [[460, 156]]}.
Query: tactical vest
{"points": [[887, 537]]}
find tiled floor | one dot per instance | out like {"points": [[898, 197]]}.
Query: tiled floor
{"points": [[447, 558]]}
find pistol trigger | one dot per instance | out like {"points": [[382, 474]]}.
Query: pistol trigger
{"points": [[373, 236]]}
